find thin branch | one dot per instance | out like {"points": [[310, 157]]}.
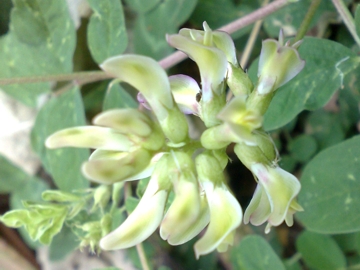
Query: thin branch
{"points": [[81, 77], [231, 28], [249, 46], [167, 62], [307, 20], [347, 18]]}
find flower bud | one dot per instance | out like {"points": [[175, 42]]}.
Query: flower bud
{"points": [[238, 81], [278, 64]]}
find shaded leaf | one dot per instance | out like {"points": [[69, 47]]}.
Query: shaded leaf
{"points": [[106, 30], [218, 13], [325, 127], [62, 244], [303, 147], [64, 163], [290, 17], [254, 253], [12, 178], [116, 97], [150, 28], [41, 41], [320, 251]]}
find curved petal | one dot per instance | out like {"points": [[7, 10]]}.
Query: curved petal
{"points": [[225, 216], [184, 210], [125, 121], [108, 171], [211, 61], [200, 223], [280, 187], [259, 208], [185, 89], [146, 75], [89, 137], [141, 223], [277, 65]]}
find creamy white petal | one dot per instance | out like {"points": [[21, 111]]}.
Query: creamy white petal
{"points": [[141, 223], [89, 137]]}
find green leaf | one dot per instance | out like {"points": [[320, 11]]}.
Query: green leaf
{"points": [[254, 253], [150, 28], [63, 164], [131, 203], [303, 147], [140, 6], [287, 162], [357, 242], [106, 30], [41, 41], [12, 178], [357, 20], [346, 241], [330, 189], [325, 127], [320, 251], [291, 16], [218, 13], [62, 244], [116, 97], [313, 87]]}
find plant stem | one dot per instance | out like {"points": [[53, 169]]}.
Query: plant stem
{"points": [[307, 20], [80, 77], [142, 256], [296, 257], [167, 62], [347, 18], [249, 47]]}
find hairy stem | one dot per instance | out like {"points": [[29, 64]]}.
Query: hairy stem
{"points": [[347, 18], [307, 20]]}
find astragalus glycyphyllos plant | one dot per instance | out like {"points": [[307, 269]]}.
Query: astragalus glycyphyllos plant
{"points": [[133, 144]]}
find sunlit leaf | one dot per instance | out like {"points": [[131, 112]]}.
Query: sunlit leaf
{"points": [[106, 30], [41, 41], [64, 163], [330, 193], [320, 251], [254, 253]]}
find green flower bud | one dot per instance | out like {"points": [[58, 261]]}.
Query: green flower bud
{"points": [[278, 64], [238, 81], [102, 196]]}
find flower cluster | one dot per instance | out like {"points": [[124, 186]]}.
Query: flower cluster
{"points": [[131, 144]]}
